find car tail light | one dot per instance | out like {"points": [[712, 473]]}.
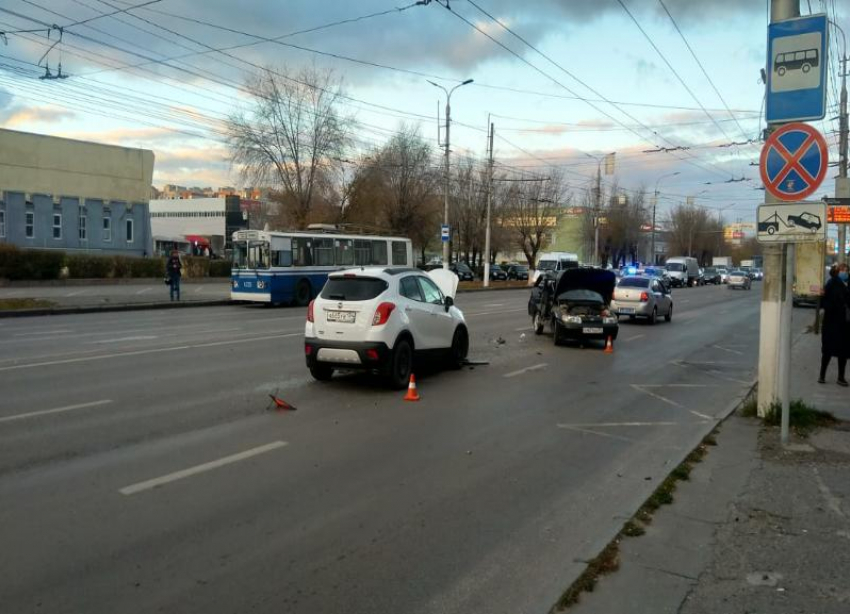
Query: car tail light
{"points": [[382, 314], [372, 354], [310, 312], [308, 349], [644, 297]]}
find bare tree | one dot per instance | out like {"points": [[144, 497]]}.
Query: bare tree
{"points": [[621, 231], [292, 138], [530, 214], [693, 231]]}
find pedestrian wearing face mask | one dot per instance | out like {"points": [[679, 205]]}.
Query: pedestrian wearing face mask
{"points": [[835, 334]]}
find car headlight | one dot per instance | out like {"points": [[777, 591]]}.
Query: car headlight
{"points": [[571, 319], [609, 320]]}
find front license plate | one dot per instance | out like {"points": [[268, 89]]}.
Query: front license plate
{"points": [[626, 310], [345, 317], [592, 331]]}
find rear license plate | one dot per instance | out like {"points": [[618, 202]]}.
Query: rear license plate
{"points": [[592, 331], [345, 317], [626, 310]]}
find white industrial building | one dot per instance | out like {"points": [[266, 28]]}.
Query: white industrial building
{"points": [[188, 223]]}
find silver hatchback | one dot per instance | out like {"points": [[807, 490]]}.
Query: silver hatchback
{"points": [[642, 297]]}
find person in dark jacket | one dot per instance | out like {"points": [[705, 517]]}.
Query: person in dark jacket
{"points": [[835, 333], [174, 269]]}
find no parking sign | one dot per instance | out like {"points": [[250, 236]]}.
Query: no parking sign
{"points": [[793, 161]]}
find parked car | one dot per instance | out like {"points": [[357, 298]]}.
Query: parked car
{"points": [[462, 270], [739, 279], [497, 273], [575, 304], [643, 297], [518, 271], [379, 319], [712, 276]]}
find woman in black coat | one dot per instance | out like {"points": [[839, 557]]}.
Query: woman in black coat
{"points": [[835, 339]]}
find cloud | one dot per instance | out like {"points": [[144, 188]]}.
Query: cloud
{"points": [[18, 116]]}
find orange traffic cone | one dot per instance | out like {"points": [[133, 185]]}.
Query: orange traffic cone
{"points": [[281, 405], [609, 346], [412, 394]]}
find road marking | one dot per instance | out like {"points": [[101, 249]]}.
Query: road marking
{"points": [[44, 332], [599, 433], [58, 410], [686, 300], [728, 350], [670, 402], [611, 424], [138, 487], [137, 338], [176, 348], [494, 305], [542, 365], [674, 385], [198, 289], [143, 291], [487, 313], [70, 294], [523, 328], [634, 338]]}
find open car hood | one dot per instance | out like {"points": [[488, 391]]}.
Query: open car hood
{"points": [[445, 280], [600, 281]]}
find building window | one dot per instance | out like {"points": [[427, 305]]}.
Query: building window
{"points": [[2, 223], [129, 230], [107, 228], [30, 224], [83, 228], [57, 225]]}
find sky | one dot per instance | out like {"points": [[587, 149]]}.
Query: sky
{"points": [[565, 82]]}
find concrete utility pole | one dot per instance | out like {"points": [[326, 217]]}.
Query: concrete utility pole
{"points": [[448, 162], [842, 187], [654, 206], [597, 209], [489, 197], [776, 301]]}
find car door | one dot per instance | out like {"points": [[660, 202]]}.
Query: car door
{"points": [[416, 309], [441, 324], [662, 301]]}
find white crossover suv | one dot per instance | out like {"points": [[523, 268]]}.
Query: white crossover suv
{"points": [[377, 319]]}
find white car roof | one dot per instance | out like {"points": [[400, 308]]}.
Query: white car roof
{"points": [[446, 280]]}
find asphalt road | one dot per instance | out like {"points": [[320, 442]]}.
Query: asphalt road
{"points": [[141, 469]]}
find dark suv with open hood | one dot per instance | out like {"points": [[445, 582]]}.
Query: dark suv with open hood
{"points": [[575, 304]]}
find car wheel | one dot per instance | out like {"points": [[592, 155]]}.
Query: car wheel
{"points": [[460, 347], [303, 293], [401, 364], [320, 372], [654, 317], [669, 316], [538, 324]]}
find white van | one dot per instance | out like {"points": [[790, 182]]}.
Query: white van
{"points": [[683, 271], [555, 262]]}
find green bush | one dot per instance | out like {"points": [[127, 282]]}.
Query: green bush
{"points": [[20, 264], [147, 267], [196, 266], [220, 268], [87, 266]]}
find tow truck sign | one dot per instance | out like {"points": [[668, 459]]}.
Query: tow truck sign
{"points": [[798, 223]]}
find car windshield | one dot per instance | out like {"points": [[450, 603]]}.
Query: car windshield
{"points": [[463, 267], [520, 269], [737, 272], [710, 270], [676, 266], [634, 282], [547, 265], [353, 288]]}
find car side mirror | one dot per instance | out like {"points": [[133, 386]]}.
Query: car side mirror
{"points": [[449, 302]]}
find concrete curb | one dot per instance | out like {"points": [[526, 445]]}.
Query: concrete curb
{"points": [[130, 281], [57, 311]]}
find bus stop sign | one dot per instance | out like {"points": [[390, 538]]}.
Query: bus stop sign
{"points": [[793, 162], [797, 59]]}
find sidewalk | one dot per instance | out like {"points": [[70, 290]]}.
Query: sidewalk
{"points": [[756, 529]]}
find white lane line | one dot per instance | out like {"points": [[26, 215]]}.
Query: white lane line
{"points": [[143, 291], [138, 487], [611, 424], [58, 410], [728, 350], [634, 338], [176, 348], [44, 332], [542, 365], [487, 313], [592, 432], [198, 289], [687, 300], [674, 385], [137, 338], [70, 294], [670, 402], [493, 305], [523, 328]]}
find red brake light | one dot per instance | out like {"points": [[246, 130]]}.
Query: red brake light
{"points": [[382, 314], [310, 312], [644, 297]]}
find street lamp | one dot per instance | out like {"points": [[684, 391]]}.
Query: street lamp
{"points": [[448, 130], [654, 205]]}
